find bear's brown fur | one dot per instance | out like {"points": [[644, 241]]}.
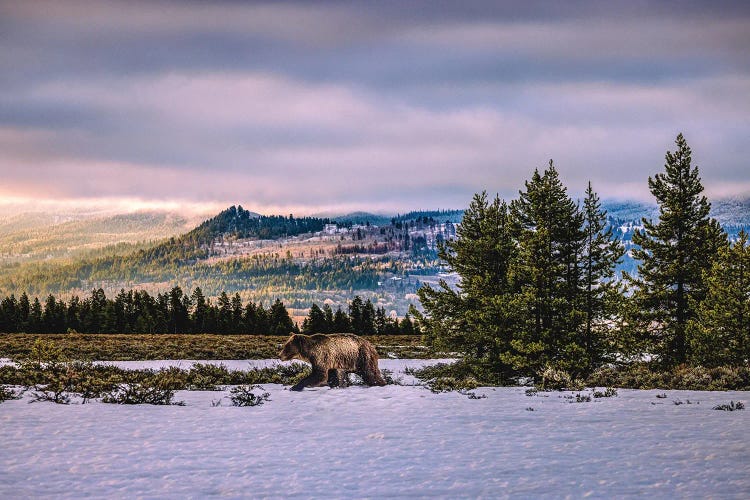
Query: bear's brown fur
{"points": [[333, 356]]}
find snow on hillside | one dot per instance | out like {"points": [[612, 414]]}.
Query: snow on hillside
{"points": [[394, 441]]}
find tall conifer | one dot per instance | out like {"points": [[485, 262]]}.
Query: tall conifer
{"points": [[601, 254], [548, 227], [720, 332], [674, 253]]}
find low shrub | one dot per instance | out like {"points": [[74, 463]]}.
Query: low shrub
{"points": [[464, 375], [135, 394], [683, 377], [243, 395], [732, 406], [473, 395], [390, 379], [609, 392], [554, 379], [6, 393]]}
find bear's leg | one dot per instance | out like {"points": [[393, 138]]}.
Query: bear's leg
{"points": [[337, 378], [367, 366], [317, 378], [370, 373], [333, 378]]}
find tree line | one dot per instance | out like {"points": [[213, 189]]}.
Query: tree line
{"points": [[538, 286], [363, 318], [136, 311]]}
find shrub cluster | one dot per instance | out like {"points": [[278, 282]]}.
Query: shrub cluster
{"points": [[52, 378], [7, 393], [683, 377], [462, 375], [732, 406]]}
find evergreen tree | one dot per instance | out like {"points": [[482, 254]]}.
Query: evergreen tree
{"points": [[161, 313], [178, 312], [720, 332], [73, 321], [406, 326], [381, 321], [341, 323], [356, 318], [24, 307], [35, 317], [281, 322], [121, 318], [368, 318], [473, 320], [601, 294], [237, 312], [328, 316], [224, 313], [263, 325], [674, 255], [315, 321], [548, 227], [250, 318], [200, 311], [9, 315]]}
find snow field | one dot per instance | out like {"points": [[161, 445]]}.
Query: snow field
{"points": [[392, 441]]}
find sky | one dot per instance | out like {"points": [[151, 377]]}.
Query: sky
{"points": [[384, 106]]}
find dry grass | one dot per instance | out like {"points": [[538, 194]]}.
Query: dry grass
{"points": [[112, 347]]}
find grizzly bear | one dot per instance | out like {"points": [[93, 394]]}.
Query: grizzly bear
{"points": [[332, 357]]}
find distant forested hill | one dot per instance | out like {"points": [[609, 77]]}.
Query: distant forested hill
{"points": [[38, 236], [296, 259]]}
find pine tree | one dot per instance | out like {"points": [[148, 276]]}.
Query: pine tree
{"points": [[121, 302], [200, 311], [601, 254], [280, 321], [9, 315], [328, 316], [368, 318], [473, 320], [53, 315], [381, 321], [548, 227], [406, 326], [73, 319], [24, 307], [35, 317], [315, 321], [178, 313], [356, 307], [237, 310], [720, 332], [224, 318], [674, 254], [341, 323], [250, 318]]}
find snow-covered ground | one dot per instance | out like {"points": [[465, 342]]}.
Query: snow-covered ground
{"points": [[393, 441]]}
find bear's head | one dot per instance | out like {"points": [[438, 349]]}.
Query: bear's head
{"points": [[291, 349]]}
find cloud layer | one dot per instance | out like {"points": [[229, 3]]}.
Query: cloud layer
{"points": [[382, 105]]}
